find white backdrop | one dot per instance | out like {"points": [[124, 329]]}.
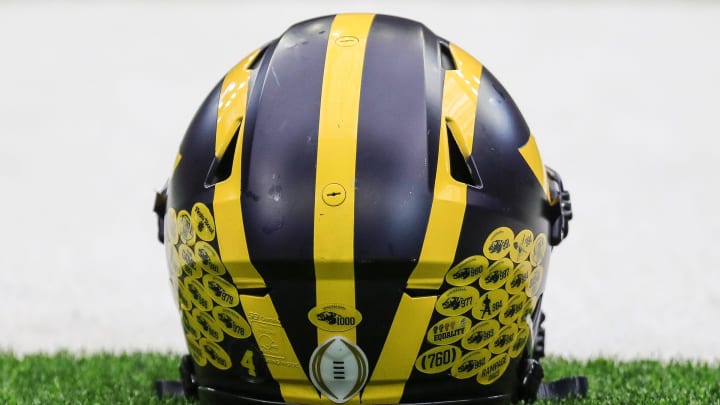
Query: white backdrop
{"points": [[623, 100]]}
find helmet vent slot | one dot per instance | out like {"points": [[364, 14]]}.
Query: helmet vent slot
{"points": [[221, 167], [460, 169], [446, 59]]}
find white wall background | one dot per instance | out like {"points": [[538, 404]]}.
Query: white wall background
{"points": [[623, 99]]}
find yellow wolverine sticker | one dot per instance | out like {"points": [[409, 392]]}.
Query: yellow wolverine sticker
{"points": [[174, 261], [537, 253], [209, 259], [184, 297], [203, 222], [334, 317], [498, 244], [518, 278], [198, 295], [437, 359], [449, 330], [231, 322], [221, 291], [535, 285], [496, 275], [185, 228], [505, 339], [188, 262], [196, 352], [529, 308], [456, 301], [171, 232], [522, 337], [215, 354], [470, 364], [493, 369], [191, 328], [482, 334], [208, 326], [467, 271], [520, 249], [513, 309], [490, 304]]}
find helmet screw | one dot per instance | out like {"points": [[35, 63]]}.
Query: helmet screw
{"points": [[333, 194]]}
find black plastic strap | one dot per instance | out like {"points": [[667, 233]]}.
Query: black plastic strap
{"points": [[169, 389], [564, 388]]}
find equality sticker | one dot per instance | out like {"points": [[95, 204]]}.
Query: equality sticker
{"points": [[521, 340], [467, 271], [437, 359], [198, 295], [505, 338], [231, 322], [513, 309], [196, 352], [539, 248], [202, 221], [208, 326], [456, 301], [493, 369], [490, 304], [498, 244], [496, 275], [535, 285], [188, 262], [518, 278], [221, 291], [208, 258], [171, 231], [185, 228], [520, 249], [481, 335], [215, 354], [448, 330], [470, 364]]}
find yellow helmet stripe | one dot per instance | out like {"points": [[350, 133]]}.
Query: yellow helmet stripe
{"points": [[531, 154], [407, 333], [335, 176]]}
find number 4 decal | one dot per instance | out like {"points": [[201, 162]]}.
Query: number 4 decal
{"points": [[247, 362]]}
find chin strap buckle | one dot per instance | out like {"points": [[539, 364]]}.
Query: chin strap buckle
{"points": [[560, 208], [532, 387]]}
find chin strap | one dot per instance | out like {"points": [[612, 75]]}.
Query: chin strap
{"points": [[185, 388], [532, 386]]}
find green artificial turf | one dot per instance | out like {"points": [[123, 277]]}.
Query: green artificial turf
{"points": [[126, 379]]}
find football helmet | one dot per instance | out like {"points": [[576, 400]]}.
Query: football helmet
{"points": [[358, 213]]}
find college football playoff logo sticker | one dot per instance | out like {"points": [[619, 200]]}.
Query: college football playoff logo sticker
{"points": [[339, 369]]}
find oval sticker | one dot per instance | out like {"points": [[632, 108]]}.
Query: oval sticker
{"points": [[173, 261], [203, 223], [208, 258], [518, 279], [529, 308], [190, 327], [456, 301], [184, 297], [534, 286], [171, 232], [513, 309], [196, 352], [208, 326], [334, 317], [481, 335], [232, 323], [185, 228], [188, 262], [470, 364], [493, 369], [490, 304], [520, 249], [215, 354], [221, 291], [498, 243], [496, 275], [449, 330], [505, 338], [537, 253], [437, 359], [198, 295], [522, 338], [467, 271]]}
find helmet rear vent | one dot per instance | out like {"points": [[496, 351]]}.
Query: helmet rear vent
{"points": [[460, 169], [446, 59], [221, 167]]}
